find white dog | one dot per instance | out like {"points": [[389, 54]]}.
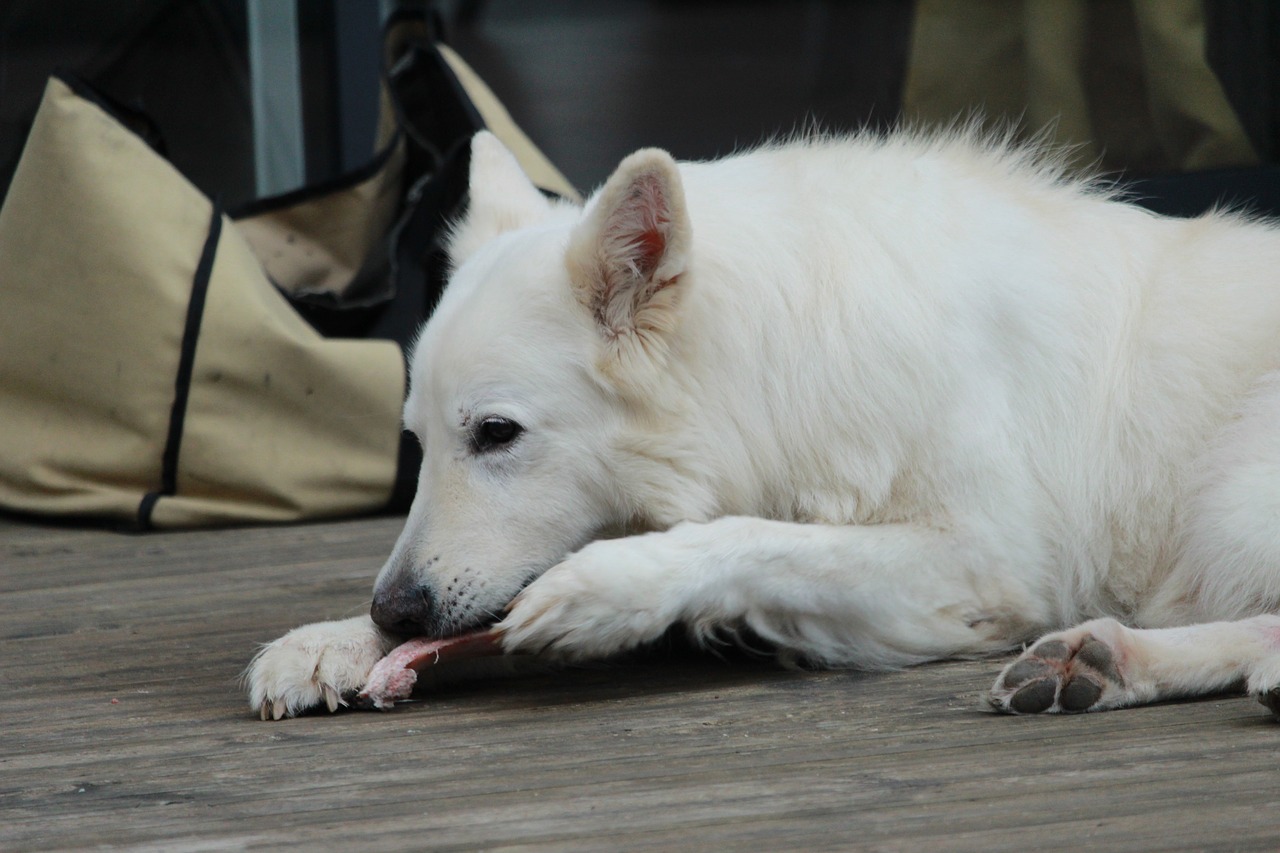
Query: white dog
{"points": [[877, 400]]}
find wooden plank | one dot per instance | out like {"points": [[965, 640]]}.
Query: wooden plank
{"points": [[123, 725]]}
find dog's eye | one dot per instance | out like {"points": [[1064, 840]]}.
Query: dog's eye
{"points": [[494, 433]]}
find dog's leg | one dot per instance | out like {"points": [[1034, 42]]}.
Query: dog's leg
{"points": [[875, 596], [1102, 664], [322, 662]]}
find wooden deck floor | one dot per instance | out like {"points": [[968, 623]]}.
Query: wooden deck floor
{"points": [[121, 724]]}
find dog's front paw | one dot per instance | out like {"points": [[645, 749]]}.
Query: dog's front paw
{"points": [[610, 596], [322, 662]]}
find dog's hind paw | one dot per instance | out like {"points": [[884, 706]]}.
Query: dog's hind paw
{"points": [[1270, 698], [319, 664], [1066, 673]]}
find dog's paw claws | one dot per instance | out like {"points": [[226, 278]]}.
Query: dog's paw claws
{"points": [[274, 710], [314, 666], [332, 699], [299, 702]]}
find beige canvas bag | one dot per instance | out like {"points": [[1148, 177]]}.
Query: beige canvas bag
{"points": [[153, 370]]}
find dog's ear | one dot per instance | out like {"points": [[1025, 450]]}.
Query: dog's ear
{"points": [[627, 255], [501, 198]]}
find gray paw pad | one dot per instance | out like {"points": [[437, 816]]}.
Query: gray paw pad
{"points": [[1097, 655], [1034, 697], [1079, 694], [1025, 670], [1052, 650]]}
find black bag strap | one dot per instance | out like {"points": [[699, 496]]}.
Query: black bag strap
{"points": [[182, 377]]}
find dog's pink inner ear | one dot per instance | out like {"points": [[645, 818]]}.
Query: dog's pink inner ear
{"points": [[630, 249], [650, 245], [636, 233]]}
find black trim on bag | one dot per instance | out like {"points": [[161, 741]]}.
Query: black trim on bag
{"points": [[186, 366], [432, 28], [131, 118], [338, 183]]}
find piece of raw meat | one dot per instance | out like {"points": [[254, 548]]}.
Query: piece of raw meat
{"points": [[393, 677]]}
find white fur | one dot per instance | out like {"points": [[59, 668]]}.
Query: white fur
{"points": [[879, 400]]}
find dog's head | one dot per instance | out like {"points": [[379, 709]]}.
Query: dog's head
{"points": [[524, 386]]}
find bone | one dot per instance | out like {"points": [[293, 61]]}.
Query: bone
{"points": [[393, 677]]}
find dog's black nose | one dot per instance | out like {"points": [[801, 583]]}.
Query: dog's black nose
{"points": [[407, 610]]}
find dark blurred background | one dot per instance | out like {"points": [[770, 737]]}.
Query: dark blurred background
{"points": [[590, 80]]}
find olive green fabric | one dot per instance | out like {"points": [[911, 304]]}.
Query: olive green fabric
{"points": [[1126, 82]]}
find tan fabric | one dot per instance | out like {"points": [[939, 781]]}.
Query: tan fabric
{"points": [[281, 419], [80, 405], [99, 243], [322, 243], [1127, 82]]}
